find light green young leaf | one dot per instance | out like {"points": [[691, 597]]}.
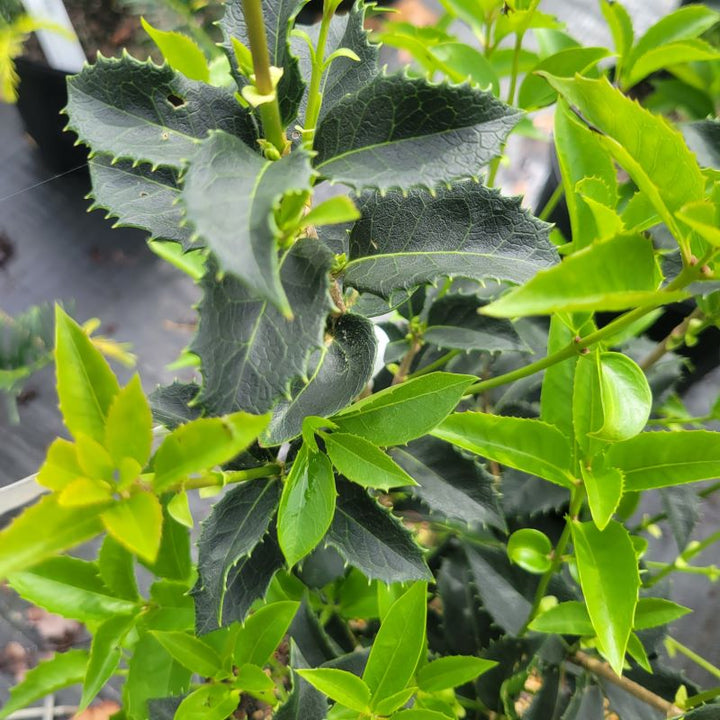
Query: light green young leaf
{"points": [[621, 28], [61, 465], [531, 550], [44, 530], [403, 412], [661, 459], [636, 651], [263, 632], [604, 486], [339, 209], [451, 671], [610, 582], [61, 671], [128, 428], [629, 279], [625, 395], [136, 523], [398, 645], [580, 156], [652, 612], [194, 654], [105, 654], [394, 702], [536, 93], [94, 459], [364, 463], [72, 588], [209, 702], [667, 56], [252, 679], [341, 686], [651, 151], [568, 618], [419, 714], [307, 505], [116, 569], [181, 52], [521, 443], [703, 218], [86, 385], [201, 444]]}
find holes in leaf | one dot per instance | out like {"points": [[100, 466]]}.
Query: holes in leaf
{"points": [[175, 100]]}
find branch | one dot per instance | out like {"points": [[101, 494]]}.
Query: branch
{"points": [[603, 670], [671, 341]]}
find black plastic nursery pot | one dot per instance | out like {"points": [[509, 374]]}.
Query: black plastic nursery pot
{"points": [[42, 94]]}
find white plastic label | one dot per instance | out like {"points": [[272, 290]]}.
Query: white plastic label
{"points": [[62, 51]]}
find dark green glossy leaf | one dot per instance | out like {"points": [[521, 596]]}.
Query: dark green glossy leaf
{"points": [[230, 193], [449, 484], [610, 582], [407, 132], [304, 702], [455, 323], [403, 412], [682, 505], [140, 197], [465, 230], [372, 540], [587, 702], [250, 353], [170, 404], [235, 527], [521, 443], [278, 16], [129, 109], [342, 369]]}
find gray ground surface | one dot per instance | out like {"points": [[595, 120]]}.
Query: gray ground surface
{"points": [[60, 252]]}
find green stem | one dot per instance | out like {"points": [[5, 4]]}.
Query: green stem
{"points": [[314, 102], [702, 697], [673, 645], [551, 204], [440, 362], [686, 276], [515, 68], [269, 111], [576, 501], [234, 476], [711, 572], [692, 550]]}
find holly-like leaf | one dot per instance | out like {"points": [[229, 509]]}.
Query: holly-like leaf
{"points": [[451, 485], [466, 230], [343, 368], [400, 132], [63, 670], [682, 505], [230, 193], [521, 443], [170, 404], [661, 459], [72, 588], [229, 537], [345, 75], [306, 506], [140, 197], [250, 353], [277, 16], [139, 111], [454, 322], [372, 540], [609, 578], [403, 412]]}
